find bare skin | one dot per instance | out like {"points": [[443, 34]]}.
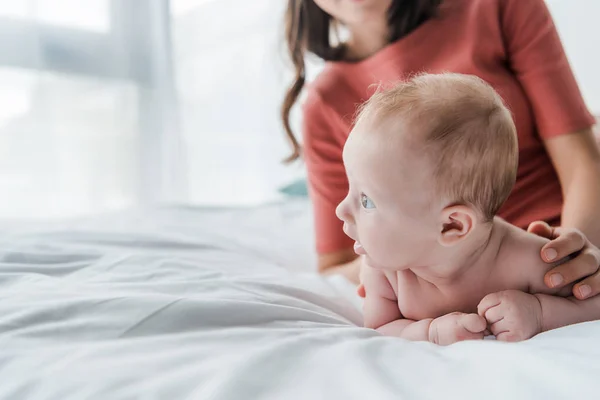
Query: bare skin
{"points": [[437, 271], [446, 304], [366, 24]]}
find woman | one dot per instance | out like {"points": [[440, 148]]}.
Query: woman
{"points": [[513, 45]]}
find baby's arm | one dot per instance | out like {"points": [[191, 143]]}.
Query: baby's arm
{"points": [[381, 312], [514, 315], [560, 311], [381, 304]]}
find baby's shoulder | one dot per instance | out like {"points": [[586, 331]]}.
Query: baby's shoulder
{"points": [[520, 260], [383, 283]]}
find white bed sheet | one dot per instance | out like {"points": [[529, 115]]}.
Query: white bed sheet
{"points": [[222, 304]]}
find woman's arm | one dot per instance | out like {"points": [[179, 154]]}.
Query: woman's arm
{"points": [[558, 311], [576, 159], [322, 132], [344, 262]]}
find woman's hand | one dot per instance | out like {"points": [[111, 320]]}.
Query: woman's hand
{"points": [[360, 289], [349, 270], [585, 262]]}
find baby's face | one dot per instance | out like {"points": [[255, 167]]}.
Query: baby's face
{"points": [[389, 210]]}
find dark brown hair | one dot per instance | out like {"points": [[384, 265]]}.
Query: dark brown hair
{"points": [[308, 29]]}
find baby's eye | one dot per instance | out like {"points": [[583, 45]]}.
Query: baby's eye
{"points": [[366, 202]]}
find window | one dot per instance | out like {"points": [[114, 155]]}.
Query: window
{"points": [[86, 99], [576, 23], [67, 143], [230, 79], [87, 15], [114, 103]]}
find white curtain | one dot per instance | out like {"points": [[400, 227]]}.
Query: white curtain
{"points": [[577, 23], [231, 74], [86, 102], [115, 103]]}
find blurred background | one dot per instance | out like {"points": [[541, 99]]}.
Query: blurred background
{"points": [[107, 104]]}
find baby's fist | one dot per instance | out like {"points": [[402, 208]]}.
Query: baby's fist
{"points": [[456, 327], [512, 315]]}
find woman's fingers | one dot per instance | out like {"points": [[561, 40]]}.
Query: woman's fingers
{"points": [[587, 288], [582, 266], [542, 229], [583, 259], [565, 243]]}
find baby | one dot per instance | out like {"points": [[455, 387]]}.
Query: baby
{"points": [[429, 162]]}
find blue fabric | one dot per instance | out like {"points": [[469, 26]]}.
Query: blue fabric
{"points": [[295, 189]]}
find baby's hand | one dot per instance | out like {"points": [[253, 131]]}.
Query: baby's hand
{"points": [[455, 327], [360, 291], [512, 315]]}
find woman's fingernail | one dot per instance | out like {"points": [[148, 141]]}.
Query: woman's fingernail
{"points": [[556, 279], [550, 254], [585, 291]]}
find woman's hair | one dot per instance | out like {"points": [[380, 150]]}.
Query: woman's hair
{"points": [[308, 29]]}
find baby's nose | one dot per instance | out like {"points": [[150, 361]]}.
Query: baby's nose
{"points": [[342, 211]]}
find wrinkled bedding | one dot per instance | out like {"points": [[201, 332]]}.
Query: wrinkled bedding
{"points": [[187, 303]]}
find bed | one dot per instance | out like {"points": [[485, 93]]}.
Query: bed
{"points": [[191, 303]]}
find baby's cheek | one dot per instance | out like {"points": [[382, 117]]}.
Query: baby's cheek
{"points": [[387, 243]]}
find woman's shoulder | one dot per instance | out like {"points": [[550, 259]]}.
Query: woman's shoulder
{"points": [[328, 108], [475, 9], [514, 8], [330, 93], [327, 86]]}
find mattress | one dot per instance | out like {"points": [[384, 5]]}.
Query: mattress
{"points": [[192, 303]]}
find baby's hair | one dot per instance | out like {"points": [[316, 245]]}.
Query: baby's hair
{"points": [[465, 129]]}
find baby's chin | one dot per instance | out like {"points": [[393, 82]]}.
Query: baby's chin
{"points": [[384, 266]]}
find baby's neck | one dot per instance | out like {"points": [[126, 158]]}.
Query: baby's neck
{"points": [[478, 254]]}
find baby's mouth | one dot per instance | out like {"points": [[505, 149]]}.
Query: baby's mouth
{"points": [[358, 249]]}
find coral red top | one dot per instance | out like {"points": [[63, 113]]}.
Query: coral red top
{"points": [[512, 44]]}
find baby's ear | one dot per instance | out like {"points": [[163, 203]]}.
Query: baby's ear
{"points": [[457, 222]]}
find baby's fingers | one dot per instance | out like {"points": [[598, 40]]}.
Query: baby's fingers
{"points": [[507, 337], [488, 302], [472, 336], [495, 314], [504, 333], [360, 291], [473, 323], [499, 329]]}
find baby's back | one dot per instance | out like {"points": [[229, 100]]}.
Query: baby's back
{"points": [[516, 265]]}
